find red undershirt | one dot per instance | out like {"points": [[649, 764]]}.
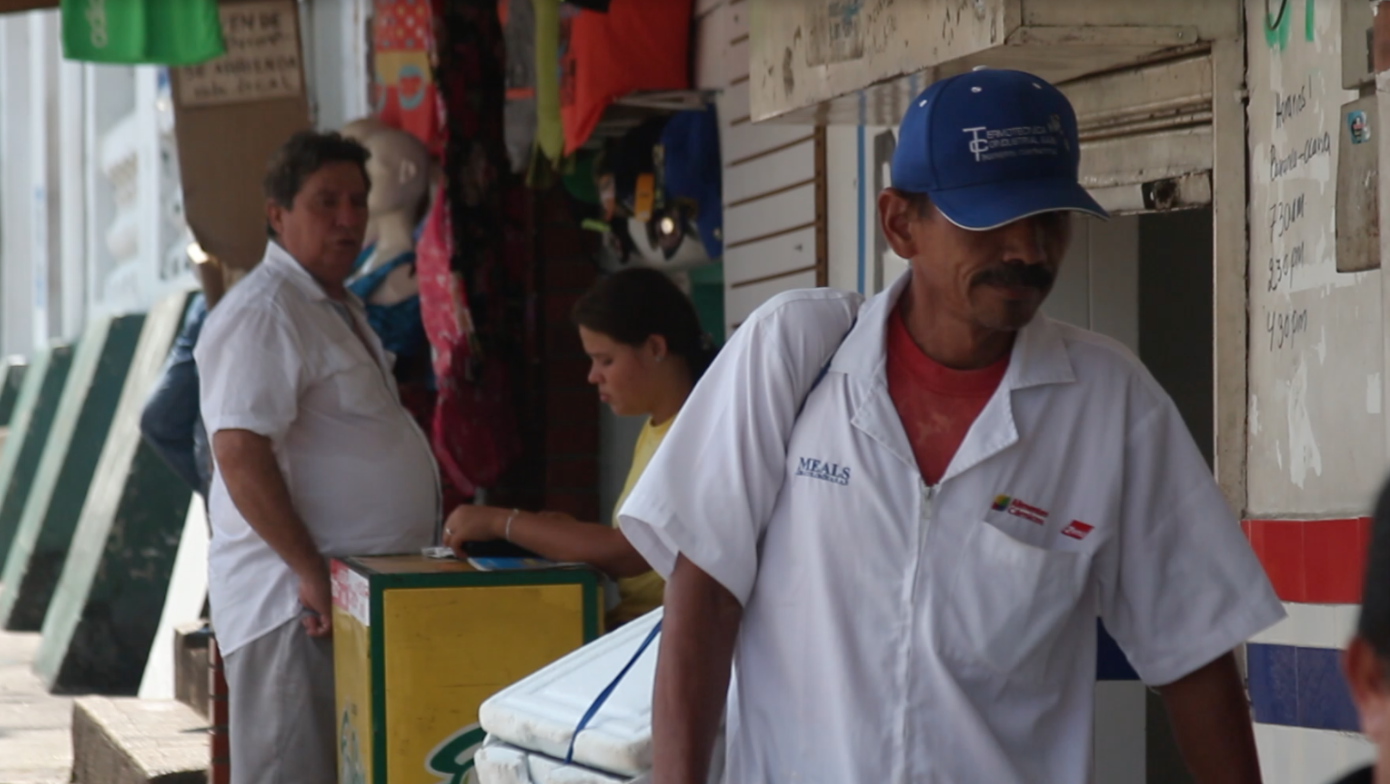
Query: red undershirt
{"points": [[936, 404]]}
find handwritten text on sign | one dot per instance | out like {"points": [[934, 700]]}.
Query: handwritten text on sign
{"points": [[262, 59]]}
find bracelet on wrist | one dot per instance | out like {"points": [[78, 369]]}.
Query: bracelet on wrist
{"points": [[507, 528]]}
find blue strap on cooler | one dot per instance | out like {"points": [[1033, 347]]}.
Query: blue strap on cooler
{"points": [[608, 691], [641, 649]]}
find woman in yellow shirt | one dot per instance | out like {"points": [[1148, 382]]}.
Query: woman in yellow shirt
{"points": [[647, 350]]}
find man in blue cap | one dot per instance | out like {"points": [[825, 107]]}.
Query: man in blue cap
{"points": [[901, 517]]}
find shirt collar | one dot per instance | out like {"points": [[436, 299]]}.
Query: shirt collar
{"points": [[280, 260], [1039, 352]]}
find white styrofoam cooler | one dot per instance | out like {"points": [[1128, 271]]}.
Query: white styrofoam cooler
{"points": [[529, 723], [499, 763], [539, 713]]}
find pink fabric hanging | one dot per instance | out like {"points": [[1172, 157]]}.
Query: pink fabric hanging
{"points": [[474, 434]]}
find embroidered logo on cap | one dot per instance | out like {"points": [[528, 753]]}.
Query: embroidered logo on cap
{"points": [[989, 144], [1077, 530]]}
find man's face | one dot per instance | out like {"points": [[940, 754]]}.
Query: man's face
{"points": [[993, 280], [324, 226]]}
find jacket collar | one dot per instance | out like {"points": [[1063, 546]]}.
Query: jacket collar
{"points": [[1039, 355]]}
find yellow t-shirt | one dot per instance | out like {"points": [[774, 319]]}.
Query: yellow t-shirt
{"points": [[639, 595]]}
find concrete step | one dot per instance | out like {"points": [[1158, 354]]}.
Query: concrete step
{"points": [[133, 741], [191, 675]]}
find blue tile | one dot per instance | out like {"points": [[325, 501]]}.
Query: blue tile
{"points": [[1272, 673], [1324, 701]]}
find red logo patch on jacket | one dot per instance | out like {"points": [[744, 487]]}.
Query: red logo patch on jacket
{"points": [[1077, 530]]}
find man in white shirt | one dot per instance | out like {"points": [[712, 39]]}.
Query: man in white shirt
{"points": [[314, 458], [908, 571]]}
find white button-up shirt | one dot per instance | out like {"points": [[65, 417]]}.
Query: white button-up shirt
{"points": [[277, 357], [899, 632]]}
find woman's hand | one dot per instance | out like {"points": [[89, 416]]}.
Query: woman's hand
{"points": [[470, 523]]}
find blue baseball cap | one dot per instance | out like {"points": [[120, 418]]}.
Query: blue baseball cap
{"points": [[990, 147]]}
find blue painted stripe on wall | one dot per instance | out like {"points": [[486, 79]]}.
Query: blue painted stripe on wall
{"points": [[1299, 687]]}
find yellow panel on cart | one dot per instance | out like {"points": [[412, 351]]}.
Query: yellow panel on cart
{"points": [[353, 674], [419, 645]]}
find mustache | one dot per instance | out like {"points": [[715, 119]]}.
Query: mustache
{"points": [[1015, 274]]}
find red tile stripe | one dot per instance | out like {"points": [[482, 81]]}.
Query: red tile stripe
{"points": [[1312, 561]]}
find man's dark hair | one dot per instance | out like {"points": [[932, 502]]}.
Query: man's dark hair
{"points": [[921, 203], [1374, 623], [305, 153]]}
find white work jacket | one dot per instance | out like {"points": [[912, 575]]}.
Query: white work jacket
{"points": [[896, 632]]}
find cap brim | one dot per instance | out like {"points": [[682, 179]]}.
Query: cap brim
{"points": [[985, 207]]}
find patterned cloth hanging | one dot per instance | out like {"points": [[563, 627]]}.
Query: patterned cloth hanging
{"points": [[403, 86], [474, 433], [463, 279]]}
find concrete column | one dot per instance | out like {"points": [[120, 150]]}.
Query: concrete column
{"points": [[105, 610], [72, 199], [44, 229], [34, 410], [16, 271], [44, 531], [151, 204]]}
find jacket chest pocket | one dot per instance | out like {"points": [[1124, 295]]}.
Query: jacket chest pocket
{"points": [[1008, 604], [355, 380]]}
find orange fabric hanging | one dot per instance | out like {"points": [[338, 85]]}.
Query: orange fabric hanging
{"points": [[638, 45]]}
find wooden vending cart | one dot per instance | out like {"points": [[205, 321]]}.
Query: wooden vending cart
{"points": [[419, 643]]}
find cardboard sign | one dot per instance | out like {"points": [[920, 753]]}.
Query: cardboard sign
{"points": [[230, 115], [262, 60]]}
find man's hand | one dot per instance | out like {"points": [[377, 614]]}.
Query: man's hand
{"points": [[247, 463], [1211, 721], [469, 523], [316, 594]]}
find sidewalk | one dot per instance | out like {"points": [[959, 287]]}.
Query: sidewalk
{"points": [[35, 727]]}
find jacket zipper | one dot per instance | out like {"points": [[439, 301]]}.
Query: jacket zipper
{"points": [[927, 494]]}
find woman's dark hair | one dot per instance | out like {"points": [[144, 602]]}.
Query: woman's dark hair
{"points": [[632, 305], [305, 153]]}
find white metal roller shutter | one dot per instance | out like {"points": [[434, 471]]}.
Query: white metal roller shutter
{"points": [[1146, 133]]}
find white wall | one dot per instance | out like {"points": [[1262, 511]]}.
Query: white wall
{"points": [[1316, 446], [1315, 357], [89, 196], [91, 212], [335, 56]]}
